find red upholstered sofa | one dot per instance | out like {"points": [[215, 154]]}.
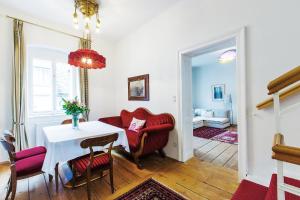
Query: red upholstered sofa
{"points": [[152, 137]]}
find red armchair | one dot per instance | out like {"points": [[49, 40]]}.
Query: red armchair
{"points": [[154, 135], [23, 164]]}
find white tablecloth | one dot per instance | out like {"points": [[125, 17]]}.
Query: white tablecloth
{"points": [[63, 142]]}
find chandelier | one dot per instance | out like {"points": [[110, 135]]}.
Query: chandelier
{"points": [[88, 8]]}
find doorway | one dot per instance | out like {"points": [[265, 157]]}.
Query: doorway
{"points": [[185, 103], [215, 134]]}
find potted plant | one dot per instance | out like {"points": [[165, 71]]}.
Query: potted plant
{"points": [[74, 108]]}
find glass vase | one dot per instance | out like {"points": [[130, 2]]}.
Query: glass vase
{"points": [[75, 121]]}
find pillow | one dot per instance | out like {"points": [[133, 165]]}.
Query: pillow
{"points": [[221, 113], [199, 111], [136, 124], [208, 114]]}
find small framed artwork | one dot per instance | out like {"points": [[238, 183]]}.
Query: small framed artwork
{"points": [[218, 92], [138, 88]]}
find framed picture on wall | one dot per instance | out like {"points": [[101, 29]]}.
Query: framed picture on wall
{"points": [[138, 88], [218, 92]]}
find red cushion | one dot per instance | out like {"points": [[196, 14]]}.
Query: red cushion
{"points": [[248, 190], [81, 163], [134, 139], [272, 192], [30, 152], [30, 165]]}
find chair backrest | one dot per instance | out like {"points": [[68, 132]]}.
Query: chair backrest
{"points": [[7, 143], [69, 121], [99, 142], [9, 136]]}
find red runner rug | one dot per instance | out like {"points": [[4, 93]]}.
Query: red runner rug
{"points": [[207, 132], [151, 190], [228, 137]]}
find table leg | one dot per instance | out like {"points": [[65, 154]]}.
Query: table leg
{"points": [[56, 177]]}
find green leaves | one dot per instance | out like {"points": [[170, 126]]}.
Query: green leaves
{"points": [[74, 107]]}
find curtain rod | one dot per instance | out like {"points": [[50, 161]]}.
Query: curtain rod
{"points": [[46, 27]]}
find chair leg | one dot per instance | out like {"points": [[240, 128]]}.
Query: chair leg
{"points": [[50, 178], [9, 189], [73, 178], [111, 175], [88, 184], [14, 188], [56, 177]]}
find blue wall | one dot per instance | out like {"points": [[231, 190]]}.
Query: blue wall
{"points": [[206, 76]]}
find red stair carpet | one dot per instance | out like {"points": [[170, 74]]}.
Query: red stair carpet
{"points": [[248, 190]]}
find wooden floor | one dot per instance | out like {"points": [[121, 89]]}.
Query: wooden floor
{"points": [[194, 179], [217, 153]]}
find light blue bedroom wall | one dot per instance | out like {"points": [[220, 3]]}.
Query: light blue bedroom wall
{"points": [[206, 76]]}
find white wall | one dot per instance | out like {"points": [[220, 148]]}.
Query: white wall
{"points": [[100, 81], [5, 78], [206, 76], [271, 46]]}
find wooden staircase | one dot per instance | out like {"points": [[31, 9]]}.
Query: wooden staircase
{"points": [[282, 188]]}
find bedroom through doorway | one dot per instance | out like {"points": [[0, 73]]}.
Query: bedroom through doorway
{"points": [[214, 100]]}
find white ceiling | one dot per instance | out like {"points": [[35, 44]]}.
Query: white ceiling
{"points": [[118, 17], [211, 54]]}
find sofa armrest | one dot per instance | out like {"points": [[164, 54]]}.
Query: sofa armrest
{"points": [[158, 128], [115, 121]]}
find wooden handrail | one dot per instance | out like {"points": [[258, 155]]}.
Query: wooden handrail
{"points": [[284, 80], [283, 95], [285, 153]]}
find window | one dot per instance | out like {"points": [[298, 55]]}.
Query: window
{"points": [[50, 79]]}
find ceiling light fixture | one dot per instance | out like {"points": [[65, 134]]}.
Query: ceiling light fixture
{"points": [[227, 56], [86, 58], [88, 8]]}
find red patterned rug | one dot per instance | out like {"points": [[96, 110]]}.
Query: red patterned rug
{"points": [[228, 137], [151, 190], [207, 132]]}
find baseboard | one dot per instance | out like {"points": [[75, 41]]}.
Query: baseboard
{"points": [[4, 162], [258, 180]]}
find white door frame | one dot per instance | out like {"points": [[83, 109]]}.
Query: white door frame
{"points": [[184, 119]]}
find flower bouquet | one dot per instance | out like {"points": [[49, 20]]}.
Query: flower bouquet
{"points": [[74, 108]]}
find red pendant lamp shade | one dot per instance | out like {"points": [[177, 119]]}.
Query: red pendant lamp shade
{"points": [[86, 58]]}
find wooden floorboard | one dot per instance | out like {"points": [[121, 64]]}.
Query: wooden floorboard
{"points": [[217, 153], [194, 179]]}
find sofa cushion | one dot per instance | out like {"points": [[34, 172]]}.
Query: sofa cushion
{"points": [[136, 124], [30, 165], [134, 139], [208, 114], [221, 113], [30, 152], [82, 162]]}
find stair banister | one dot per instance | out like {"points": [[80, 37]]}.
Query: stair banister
{"points": [[284, 80], [281, 152]]}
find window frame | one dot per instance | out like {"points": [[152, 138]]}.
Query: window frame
{"points": [[54, 56]]}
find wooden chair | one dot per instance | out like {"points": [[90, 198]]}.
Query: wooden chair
{"points": [[23, 164], [95, 161], [69, 121]]}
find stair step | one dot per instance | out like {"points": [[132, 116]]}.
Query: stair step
{"points": [[272, 191], [248, 190]]}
